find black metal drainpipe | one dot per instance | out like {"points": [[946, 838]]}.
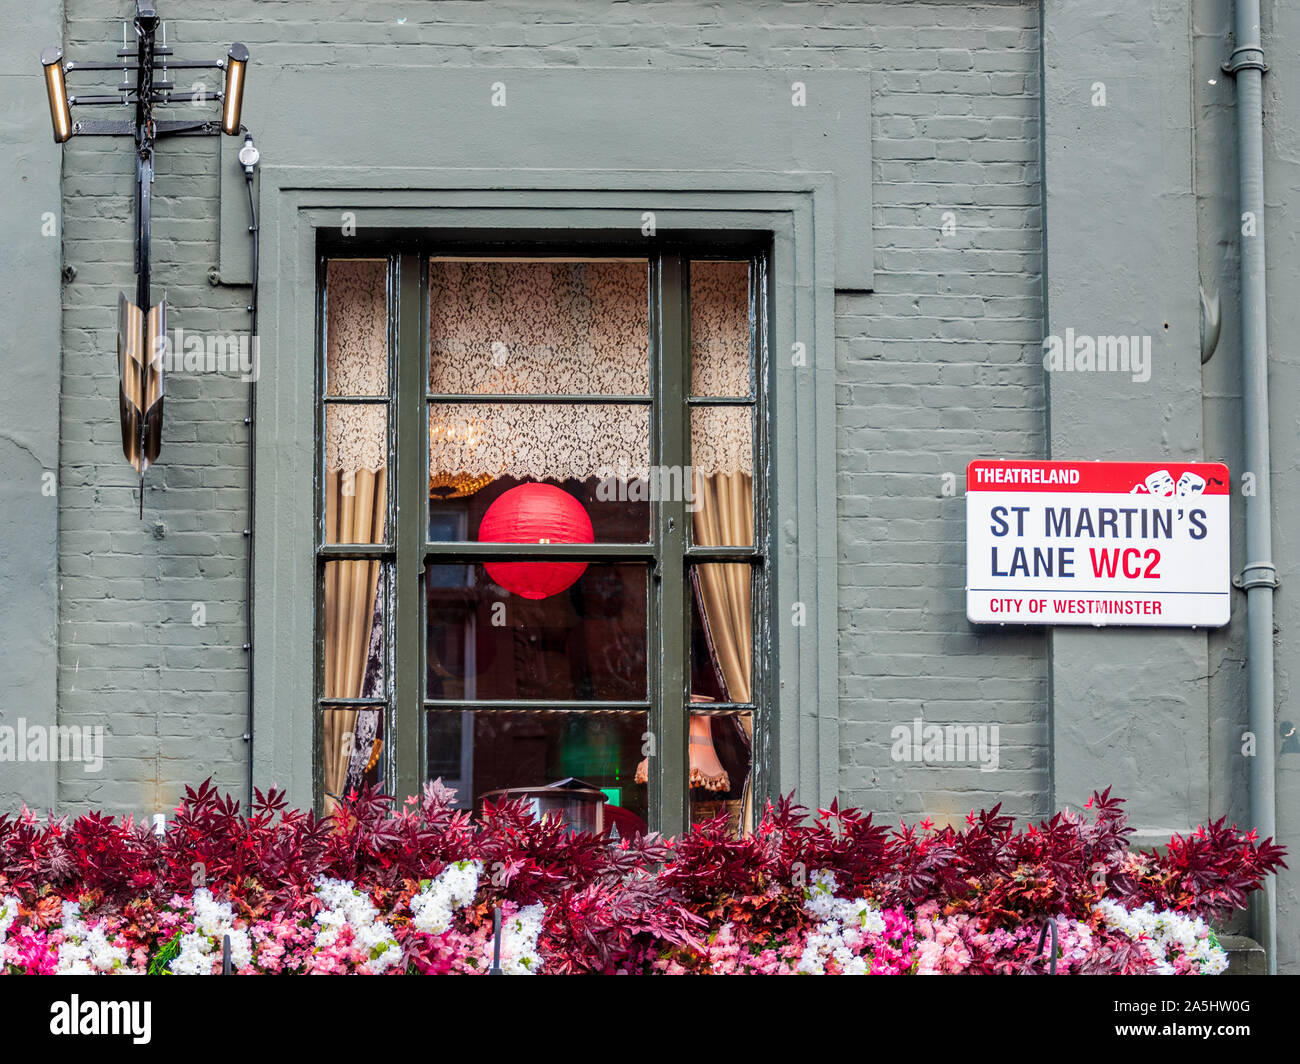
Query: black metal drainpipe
{"points": [[251, 422]]}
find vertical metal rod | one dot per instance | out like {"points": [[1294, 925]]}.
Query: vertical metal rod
{"points": [[1048, 924], [496, 943], [255, 233]]}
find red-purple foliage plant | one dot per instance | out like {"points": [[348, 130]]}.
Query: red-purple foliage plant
{"points": [[609, 907]]}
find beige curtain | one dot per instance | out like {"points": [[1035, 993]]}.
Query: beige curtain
{"points": [[354, 513], [724, 517]]}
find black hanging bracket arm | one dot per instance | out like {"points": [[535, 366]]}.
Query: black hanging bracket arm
{"points": [[141, 341]]}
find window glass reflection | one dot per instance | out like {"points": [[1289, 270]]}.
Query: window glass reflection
{"points": [[719, 762], [585, 642], [577, 765]]}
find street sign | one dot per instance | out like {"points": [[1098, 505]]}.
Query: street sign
{"points": [[1097, 543]]}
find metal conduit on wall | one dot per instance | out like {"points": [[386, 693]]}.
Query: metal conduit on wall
{"points": [[1258, 576]]}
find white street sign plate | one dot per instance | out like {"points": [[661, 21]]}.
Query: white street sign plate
{"points": [[1097, 543]]}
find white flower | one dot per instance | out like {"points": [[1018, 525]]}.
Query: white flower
{"points": [[434, 907], [519, 935], [201, 948], [1168, 935], [241, 948], [835, 916], [211, 918], [195, 957], [857, 966], [104, 956], [8, 914], [85, 950], [345, 906]]}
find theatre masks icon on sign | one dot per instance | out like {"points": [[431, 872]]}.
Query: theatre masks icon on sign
{"points": [[1161, 483]]}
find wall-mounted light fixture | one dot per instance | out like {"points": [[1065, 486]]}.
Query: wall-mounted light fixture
{"points": [[57, 90], [144, 67], [233, 104]]}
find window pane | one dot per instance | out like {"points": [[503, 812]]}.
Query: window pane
{"points": [[719, 759], [355, 629], [722, 462], [599, 454], [720, 328], [539, 327], [449, 743], [497, 754], [485, 640], [722, 629], [356, 327], [352, 750], [356, 473]]}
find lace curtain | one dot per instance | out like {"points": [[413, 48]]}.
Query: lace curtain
{"points": [[356, 363], [572, 328], [518, 328]]}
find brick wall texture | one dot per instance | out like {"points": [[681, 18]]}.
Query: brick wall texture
{"points": [[935, 367]]}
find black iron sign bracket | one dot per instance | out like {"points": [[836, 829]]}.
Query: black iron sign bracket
{"points": [[142, 328]]}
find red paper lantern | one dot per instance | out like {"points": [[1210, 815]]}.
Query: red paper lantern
{"points": [[536, 513]]}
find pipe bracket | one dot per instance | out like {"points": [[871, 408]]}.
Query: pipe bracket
{"points": [[1256, 574], [1211, 324], [1248, 57]]}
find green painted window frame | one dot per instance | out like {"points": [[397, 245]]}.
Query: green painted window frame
{"points": [[300, 205], [668, 554]]}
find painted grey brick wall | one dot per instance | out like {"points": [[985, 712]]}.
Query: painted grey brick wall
{"points": [[168, 694], [940, 365], [932, 366]]}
